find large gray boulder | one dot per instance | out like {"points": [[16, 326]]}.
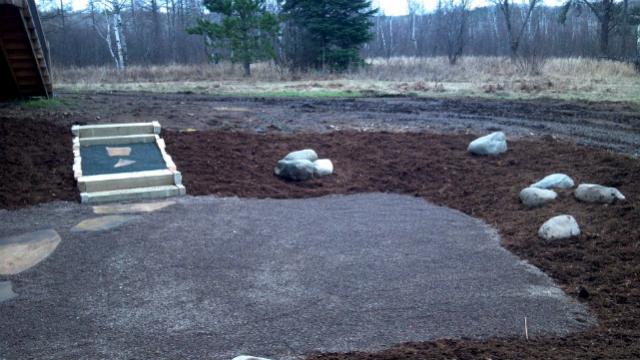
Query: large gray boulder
{"points": [[533, 197], [594, 193], [295, 170], [560, 181], [559, 227], [492, 144], [306, 154]]}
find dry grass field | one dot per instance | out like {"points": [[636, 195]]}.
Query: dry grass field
{"points": [[494, 77]]}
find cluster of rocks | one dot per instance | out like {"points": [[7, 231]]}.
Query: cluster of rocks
{"points": [[542, 191], [565, 226], [303, 165]]}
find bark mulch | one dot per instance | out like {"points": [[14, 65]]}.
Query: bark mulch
{"points": [[35, 163]]}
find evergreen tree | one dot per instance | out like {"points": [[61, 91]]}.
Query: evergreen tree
{"points": [[334, 31], [246, 29]]}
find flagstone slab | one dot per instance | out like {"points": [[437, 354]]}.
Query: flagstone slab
{"points": [[123, 163], [103, 223], [119, 151], [132, 208], [6, 293], [21, 252]]}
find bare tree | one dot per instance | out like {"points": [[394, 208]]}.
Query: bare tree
{"points": [[452, 19], [415, 7], [603, 10], [113, 15], [515, 31]]}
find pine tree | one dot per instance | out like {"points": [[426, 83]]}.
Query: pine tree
{"points": [[246, 29], [335, 30]]}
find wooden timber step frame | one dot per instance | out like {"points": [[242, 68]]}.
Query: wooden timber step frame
{"points": [[128, 186], [25, 66]]}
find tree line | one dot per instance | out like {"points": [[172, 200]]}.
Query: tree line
{"points": [[331, 34]]}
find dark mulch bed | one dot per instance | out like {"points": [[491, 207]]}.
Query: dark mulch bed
{"points": [[35, 163], [601, 268]]}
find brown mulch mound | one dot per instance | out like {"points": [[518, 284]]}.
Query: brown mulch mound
{"points": [[601, 267], [36, 161]]}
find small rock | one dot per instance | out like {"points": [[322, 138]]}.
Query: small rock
{"points": [[532, 197], [583, 293], [323, 167], [598, 194], [492, 144], [248, 357], [561, 181], [306, 154], [559, 227], [296, 170]]}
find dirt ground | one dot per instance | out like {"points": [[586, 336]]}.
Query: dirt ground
{"points": [[235, 156], [606, 124]]}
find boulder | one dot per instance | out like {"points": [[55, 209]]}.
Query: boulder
{"points": [[598, 194], [559, 227], [296, 170], [533, 197], [323, 167], [492, 144], [560, 181], [248, 357], [306, 154]]}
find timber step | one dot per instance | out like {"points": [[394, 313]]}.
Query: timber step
{"points": [[144, 193], [117, 130], [122, 181]]}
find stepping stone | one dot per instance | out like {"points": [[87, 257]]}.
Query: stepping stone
{"points": [[103, 223], [118, 151], [6, 293], [123, 163], [131, 208], [19, 253]]}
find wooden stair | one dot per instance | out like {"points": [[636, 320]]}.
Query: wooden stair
{"points": [[24, 54]]}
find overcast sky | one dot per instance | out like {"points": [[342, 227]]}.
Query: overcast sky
{"points": [[388, 7]]}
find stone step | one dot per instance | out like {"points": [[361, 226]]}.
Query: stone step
{"points": [[131, 180], [145, 193], [109, 130]]}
